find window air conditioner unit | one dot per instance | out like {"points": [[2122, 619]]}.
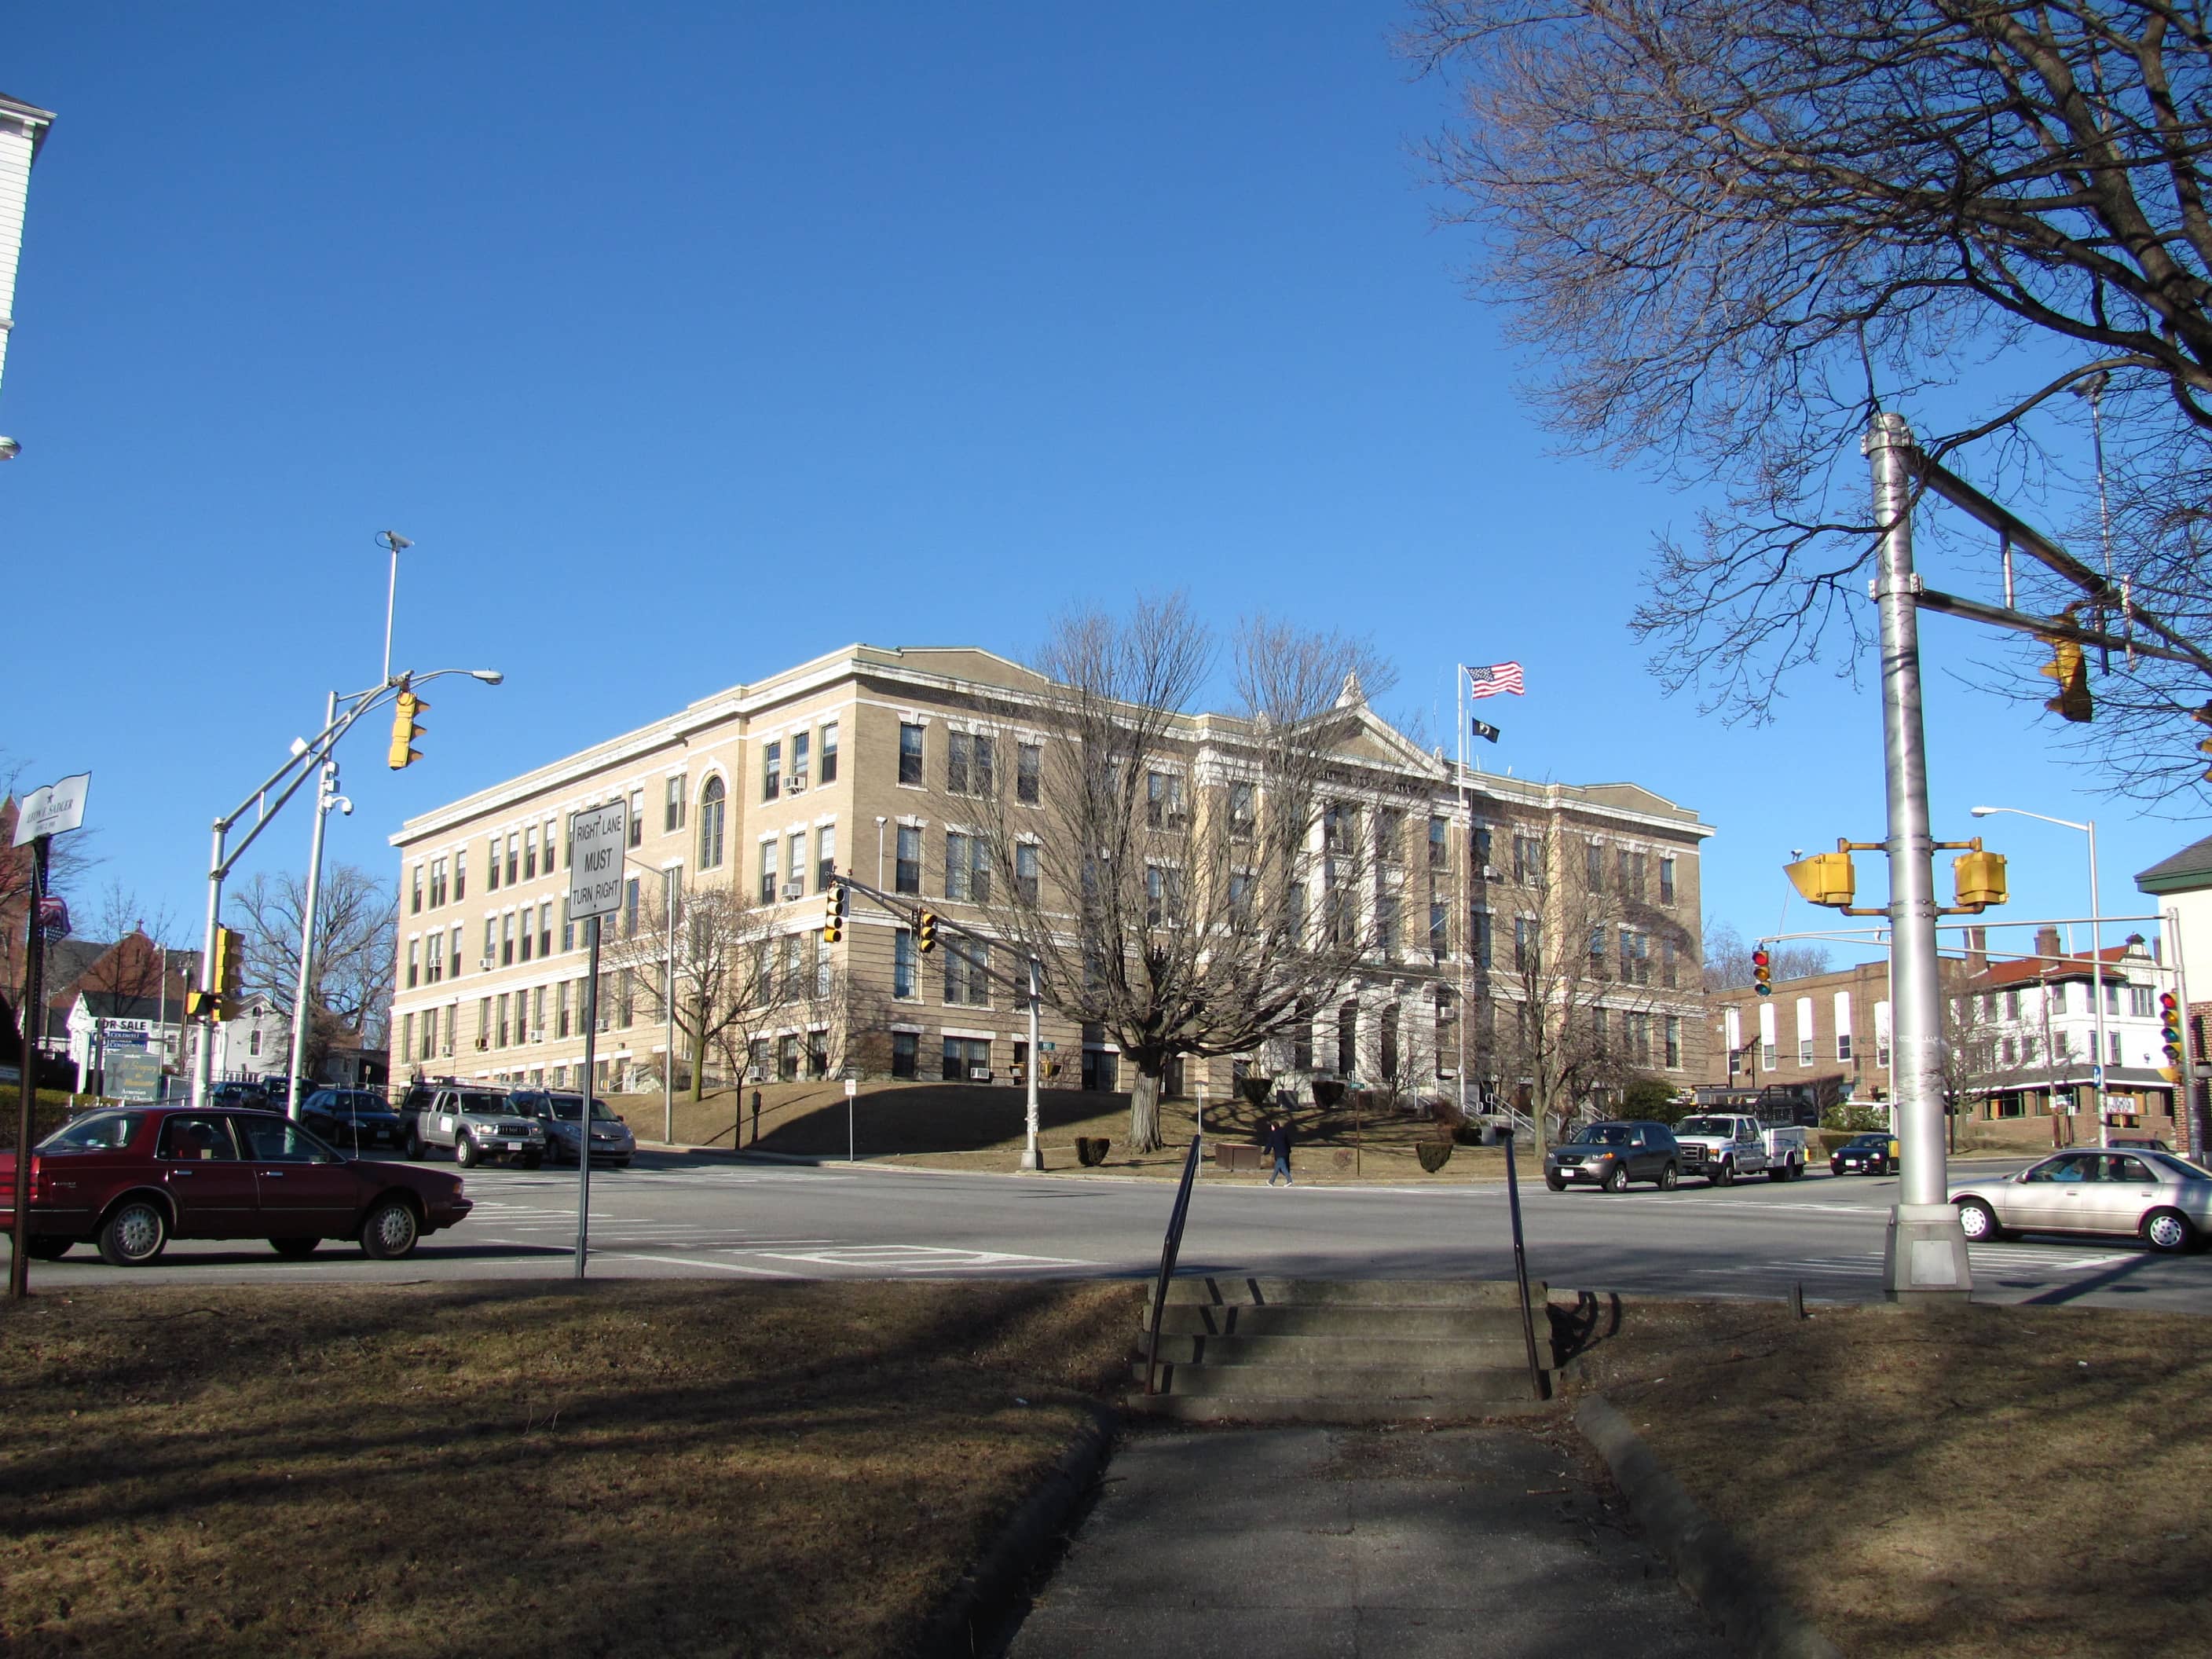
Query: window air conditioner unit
{"points": [[795, 785], [979, 1075], [754, 1074], [1489, 872], [537, 1033], [795, 888], [606, 1024], [447, 1052], [484, 1042]]}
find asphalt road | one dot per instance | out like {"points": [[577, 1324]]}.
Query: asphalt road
{"points": [[679, 1216]]}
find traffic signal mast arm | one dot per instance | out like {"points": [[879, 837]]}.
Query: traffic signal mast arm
{"points": [[912, 915]]}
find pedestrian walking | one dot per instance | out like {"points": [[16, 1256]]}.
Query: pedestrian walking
{"points": [[1278, 1141]]}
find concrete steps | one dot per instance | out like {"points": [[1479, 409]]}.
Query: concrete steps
{"points": [[1341, 1351]]}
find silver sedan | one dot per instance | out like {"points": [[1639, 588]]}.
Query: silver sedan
{"points": [[2164, 1199]]}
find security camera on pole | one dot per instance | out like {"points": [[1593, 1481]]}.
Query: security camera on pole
{"points": [[597, 837]]}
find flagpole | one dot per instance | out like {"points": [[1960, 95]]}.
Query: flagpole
{"points": [[1466, 883]]}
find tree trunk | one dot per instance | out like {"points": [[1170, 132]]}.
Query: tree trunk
{"points": [[1145, 1111], [699, 1058]]}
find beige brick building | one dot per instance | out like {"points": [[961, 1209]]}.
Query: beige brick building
{"points": [[857, 763]]}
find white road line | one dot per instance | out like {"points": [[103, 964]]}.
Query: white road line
{"points": [[693, 1261]]}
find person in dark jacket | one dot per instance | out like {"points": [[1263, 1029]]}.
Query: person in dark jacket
{"points": [[1278, 1141]]}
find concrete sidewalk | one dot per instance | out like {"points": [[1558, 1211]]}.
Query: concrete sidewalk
{"points": [[1296, 1543]]}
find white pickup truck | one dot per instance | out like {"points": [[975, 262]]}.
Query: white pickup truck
{"points": [[1723, 1146]]}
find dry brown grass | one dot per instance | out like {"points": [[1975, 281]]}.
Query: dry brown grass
{"points": [[627, 1469], [1960, 1483], [961, 1126]]}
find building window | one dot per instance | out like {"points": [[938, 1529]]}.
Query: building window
{"points": [[964, 980], [501, 1027], [507, 940], [1301, 1039], [967, 763], [1665, 881], [1477, 942], [434, 957], [491, 941], [771, 770], [636, 824], [1439, 843], [905, 1051], [1528, 859], [415, 902], [908, 877], [437, 882], [966, 1058], [1025, 872], [830, 752], [671, 807], [528, 938], [1243, 809], [795, 862], [903, 963], [626, 997], [787, 1058], [545, 928], [1439, 928], [560, 1009], [1029, 772], [801, 762], [530, 853], [514, 857], [710, 825], [1347, 1040], [1670, 963], [1528, 946], [491, 882], [2139, 1002], [1594, 867], [967, 868], [407, 1034], [460, 875], [629, 908], [1162, 896], [1164, 800], [910, 752], [825, 856], [1673, 1042], [768, 872], [568, 928], [2113, 1057], [414, 949]]}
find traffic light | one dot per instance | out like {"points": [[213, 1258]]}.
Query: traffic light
{"points": [[925, 931], [1981, 880], [2169, 1035], [2071, 670], [1824, 878], [404, 731], [1762, 971], [229, 965], [833, 912]]}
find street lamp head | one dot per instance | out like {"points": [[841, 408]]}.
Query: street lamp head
{"points": [[489, 676], [9, 449], [1981, 812]]}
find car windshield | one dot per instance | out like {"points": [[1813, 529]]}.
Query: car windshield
{"points": [[1603, 1134], [2181, 1166], [1871, 1140], [97, 1132], [1705, 1126], [568, 1106]]}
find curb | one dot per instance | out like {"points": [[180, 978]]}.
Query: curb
{"points": [[977, 1616], [1711, 1565]]}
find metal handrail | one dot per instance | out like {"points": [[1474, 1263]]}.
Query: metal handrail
{"points": [[1521, 1271], [1171, 1247]]}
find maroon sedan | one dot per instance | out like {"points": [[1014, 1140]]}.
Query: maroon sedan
{"points": [[130, 1180]]}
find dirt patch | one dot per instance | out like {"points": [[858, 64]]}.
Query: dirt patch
{"points": [[1952, 1483], [624, 1469]]}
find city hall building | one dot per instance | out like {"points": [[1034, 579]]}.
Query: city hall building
{"points": [[858, 763]]}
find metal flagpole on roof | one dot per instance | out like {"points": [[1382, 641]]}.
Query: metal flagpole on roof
{"points": [[1466, 919]]}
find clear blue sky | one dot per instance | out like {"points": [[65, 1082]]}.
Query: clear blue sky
{"points": [[688, 342]]}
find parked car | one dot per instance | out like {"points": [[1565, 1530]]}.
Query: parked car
{"points": [[612, 1143], [129, 1181], [2162, 1198], [1867, 1154], [352, 1118], [253, 1095], [2140, 1143], [1611, 1155], [475, 1123]]}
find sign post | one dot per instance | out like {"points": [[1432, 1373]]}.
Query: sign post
{"points": [[597, 837], [851, 1139], [42, 815]]}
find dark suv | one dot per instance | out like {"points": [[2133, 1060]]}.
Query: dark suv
{"points": [[1612, 1154]]}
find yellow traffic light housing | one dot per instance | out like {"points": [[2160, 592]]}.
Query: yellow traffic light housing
{"points": [[404, 731], [2169, 1035], [833, 914], [1762, 971], [925, 931], [228, 977], [1980, 878], [1824, 878], [2070, 668]]}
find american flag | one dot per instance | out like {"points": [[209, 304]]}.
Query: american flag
{"points": [[1498, 676]]}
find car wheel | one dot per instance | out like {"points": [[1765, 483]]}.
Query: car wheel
{"points": [[1555, 1183], [531, 1160], [464, 1151], [391, 1230], [49, 1246], [2168, 1231], [1725, 1176], [1978, 1222], [414, 1149], [135, 1234], [1834, 1167], [1777, 1172], [1616, 1178], [1797, 1170], [295, 1249], [1668, 1178]]}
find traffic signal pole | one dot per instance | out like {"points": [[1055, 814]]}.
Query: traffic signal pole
{"points": [[1925, 1255]]}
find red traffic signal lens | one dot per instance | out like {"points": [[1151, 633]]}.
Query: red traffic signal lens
{"points": [[1760, 958], [2167, 1002]]}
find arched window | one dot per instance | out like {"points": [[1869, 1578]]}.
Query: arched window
{"points": [[710, 825]]}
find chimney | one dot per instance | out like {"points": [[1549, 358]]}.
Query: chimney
{"points": [[1977, 951], [2046, 941]]}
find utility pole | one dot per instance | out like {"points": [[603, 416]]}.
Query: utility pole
{"points": [[1030, 1158], [326, 793], [34, 1002], [1925, 1253]]}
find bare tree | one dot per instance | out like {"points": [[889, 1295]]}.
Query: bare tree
{"points": [[349, 991], [1728, 964], [69, 860], [1568, 1004], [724, 971], [1732, 232], [1183, 881]]}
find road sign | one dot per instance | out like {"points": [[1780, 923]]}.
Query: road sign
{"points": [[53, 809], [596, 840]]}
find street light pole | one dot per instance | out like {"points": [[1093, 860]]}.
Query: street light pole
{"points": [[1924, 1256], [392, 541], [2099, 1056], [1030, 1158], [326, 793], [668, 1034]]}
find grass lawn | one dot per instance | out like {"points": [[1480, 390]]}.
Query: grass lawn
{"points": [[960, 1126], [626, 1469], [1948, 1484]]}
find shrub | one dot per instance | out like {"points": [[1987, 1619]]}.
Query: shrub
{"points": [[1433, 1154], [1257, 1090], [1090, 1150], [1327, 1092], [1855, 1120]]}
